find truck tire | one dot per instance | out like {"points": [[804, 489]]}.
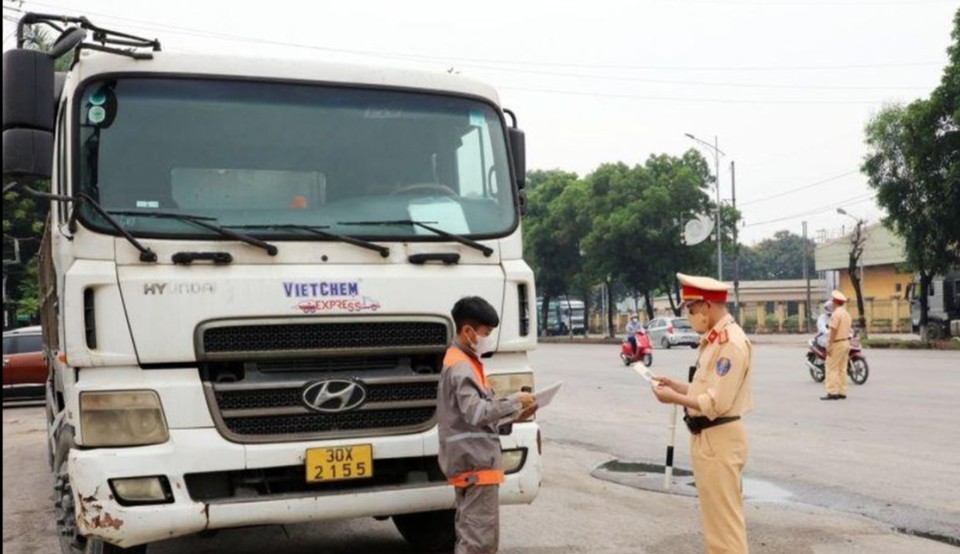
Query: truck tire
{"points": [[935, 330], [71, 541], [428, 531]]}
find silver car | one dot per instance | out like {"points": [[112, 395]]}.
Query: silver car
{"points": [[666, 332]]}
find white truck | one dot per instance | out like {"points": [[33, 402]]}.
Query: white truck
{"points": [[246, 281]]}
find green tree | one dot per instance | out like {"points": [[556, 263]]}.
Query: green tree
{"points": [[551, 235], [913, 162], [779, 257]]}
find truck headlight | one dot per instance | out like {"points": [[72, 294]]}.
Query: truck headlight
{"points": [[122, 418], [505, 384], [512, 460]]}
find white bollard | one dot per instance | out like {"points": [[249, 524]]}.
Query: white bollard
{"points": [[668, 467]]}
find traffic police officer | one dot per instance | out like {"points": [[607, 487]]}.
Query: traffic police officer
{"points": [[718, 394], [468, 413], [838, 349]]}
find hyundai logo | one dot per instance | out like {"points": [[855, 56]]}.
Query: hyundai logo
{"points": [[334, 395]]}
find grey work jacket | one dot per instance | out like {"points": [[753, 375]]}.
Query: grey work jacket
{"points": [[467, 417]]}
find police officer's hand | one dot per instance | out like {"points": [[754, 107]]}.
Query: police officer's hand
{"points": [[526, 399], [664, 393], [670, 384]]}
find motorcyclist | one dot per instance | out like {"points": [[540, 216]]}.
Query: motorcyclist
{"points": [[633, 327], [823, 324]]}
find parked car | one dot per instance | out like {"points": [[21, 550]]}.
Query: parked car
{"points": [[666, 332], [24, 365]]}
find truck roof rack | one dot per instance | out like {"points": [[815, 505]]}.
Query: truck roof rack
{"points": [[103, 40]]}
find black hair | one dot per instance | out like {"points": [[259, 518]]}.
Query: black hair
{"points": [[474, 311]]}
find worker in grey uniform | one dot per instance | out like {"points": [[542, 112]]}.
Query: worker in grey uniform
{"points": [[468, 413]]}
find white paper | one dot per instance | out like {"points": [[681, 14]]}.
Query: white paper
{"points": [[443, 213], [544, 398], [644, 372]]}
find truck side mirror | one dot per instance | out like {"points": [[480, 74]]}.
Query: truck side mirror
{"points": [[518, 149], [28, 108]]}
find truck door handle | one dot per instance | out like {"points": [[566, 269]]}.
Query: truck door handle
{"points": [[446, 258]]}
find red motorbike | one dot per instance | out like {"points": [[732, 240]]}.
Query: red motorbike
{"points": [[857, 367], [643, 353]]}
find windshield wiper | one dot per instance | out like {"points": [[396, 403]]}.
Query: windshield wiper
{"points": [[146, 254], [487, 251], [202, 221], [319, 231]]}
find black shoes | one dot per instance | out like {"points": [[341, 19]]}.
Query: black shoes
{"points": [[833, 397]]}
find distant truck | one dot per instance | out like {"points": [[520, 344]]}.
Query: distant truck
{"points": [[564, 317], [943, 318]]}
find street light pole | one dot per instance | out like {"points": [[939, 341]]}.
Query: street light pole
{"points": [[715, 148]]}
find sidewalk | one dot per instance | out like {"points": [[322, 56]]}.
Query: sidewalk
{"points": [[784, 339]]}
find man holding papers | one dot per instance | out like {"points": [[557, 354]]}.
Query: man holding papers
{"points": [[468, 413], [713, 402]]}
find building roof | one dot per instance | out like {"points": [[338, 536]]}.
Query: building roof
{"points": [[881, 247]]}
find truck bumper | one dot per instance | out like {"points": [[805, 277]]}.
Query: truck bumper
{"points": [[101, 515]]}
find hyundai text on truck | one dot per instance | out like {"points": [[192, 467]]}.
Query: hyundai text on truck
{"points": [[246, 280]]}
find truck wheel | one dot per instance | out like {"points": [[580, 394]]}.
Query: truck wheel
{"points": [[71, 541], [428, 531], [935, 330]]}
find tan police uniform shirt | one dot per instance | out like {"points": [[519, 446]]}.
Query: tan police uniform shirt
{"points": [[721, 384], [842, 322]]}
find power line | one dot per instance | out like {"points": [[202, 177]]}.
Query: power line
{"points": [[691, 83], [848, 202], [830, 4], [687, 99], [421, 58], [800, 188]]}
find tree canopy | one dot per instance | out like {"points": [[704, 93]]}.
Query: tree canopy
{"points": [[913, 162]]}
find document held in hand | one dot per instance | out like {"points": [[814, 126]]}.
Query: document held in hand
{"points": [[644, 372], [544, 398]]}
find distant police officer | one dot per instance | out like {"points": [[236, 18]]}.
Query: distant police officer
{"points": [[718, 394], [838, 349]]}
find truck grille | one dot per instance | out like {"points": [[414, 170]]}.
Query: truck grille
{"points": [[296, 337], [269, 413]]}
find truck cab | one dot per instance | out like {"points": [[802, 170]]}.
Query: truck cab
{"points": [[943, 304], [246, 280]]}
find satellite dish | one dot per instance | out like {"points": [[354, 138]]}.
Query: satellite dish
{"points": [[697, 230]]}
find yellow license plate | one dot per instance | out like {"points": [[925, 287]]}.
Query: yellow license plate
{"points": [[339, 463]]}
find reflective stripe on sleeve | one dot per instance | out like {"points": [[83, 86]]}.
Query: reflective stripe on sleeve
{"points": [[471, 435]]}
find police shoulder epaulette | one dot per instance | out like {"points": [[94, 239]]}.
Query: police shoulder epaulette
{"points": [[724, 337]]}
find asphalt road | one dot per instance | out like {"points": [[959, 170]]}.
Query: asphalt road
{"points": [[857, 470]]}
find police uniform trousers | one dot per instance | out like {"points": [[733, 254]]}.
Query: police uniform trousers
{"points": [[837, 368], [718, 455], [478, 519]]}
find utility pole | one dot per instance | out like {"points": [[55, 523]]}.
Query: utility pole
{"points": [[806, 277], [736, 247], [716, 163], [715, 147]]}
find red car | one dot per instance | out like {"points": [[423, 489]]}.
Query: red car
{"points": [[24, 364]]}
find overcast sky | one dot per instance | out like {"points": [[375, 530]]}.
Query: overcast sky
{"points": [[786, 85]]}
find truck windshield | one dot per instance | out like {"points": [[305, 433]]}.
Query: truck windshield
{"points": [[270, 156]]}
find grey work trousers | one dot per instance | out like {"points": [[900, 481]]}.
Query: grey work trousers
{"points": [[478, 519]]}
